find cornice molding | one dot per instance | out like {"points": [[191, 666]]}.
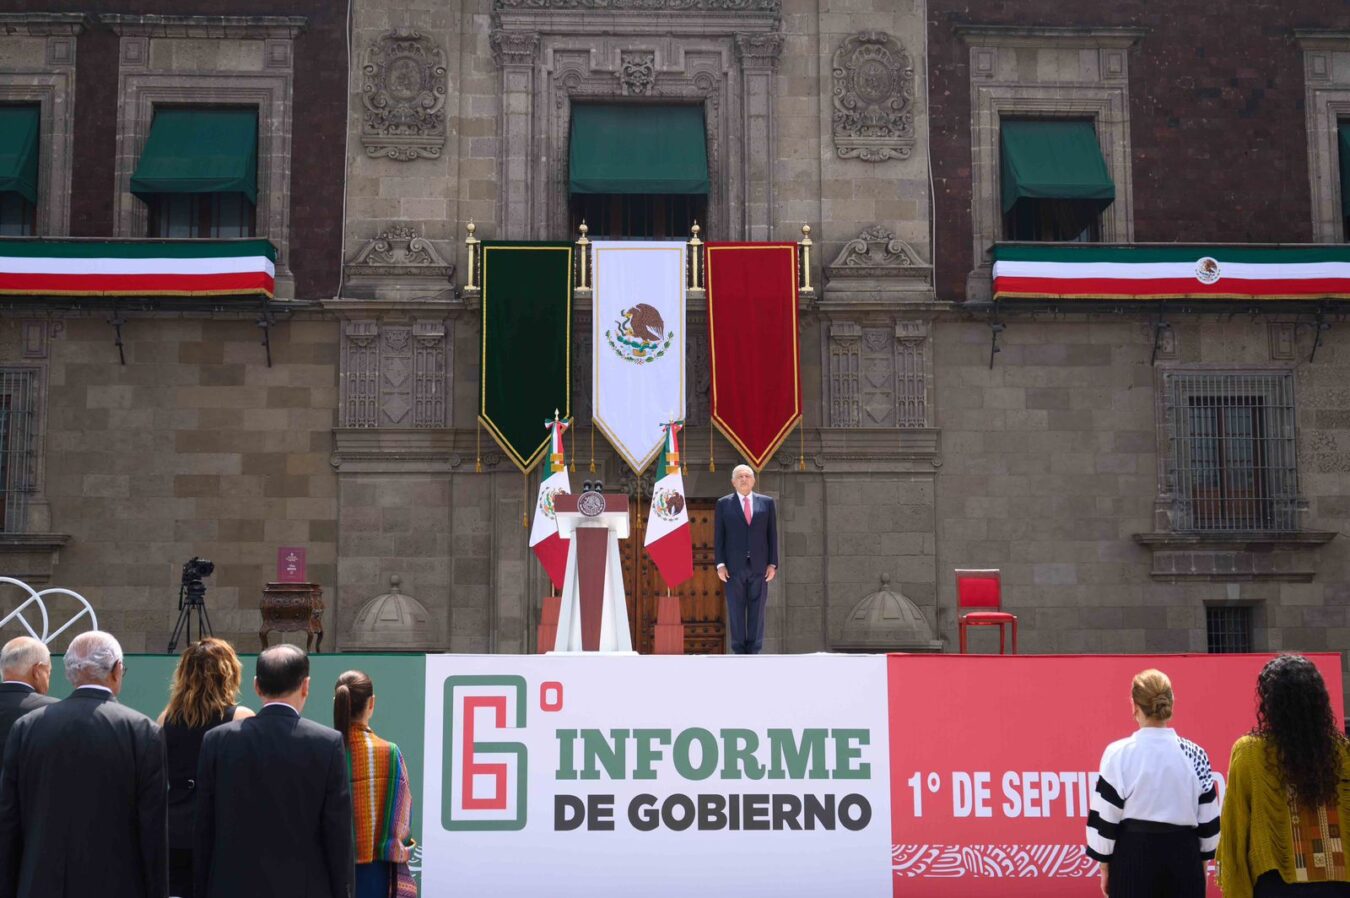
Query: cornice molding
{"points": [[236, 27], [43, 24], [1032, 36]]}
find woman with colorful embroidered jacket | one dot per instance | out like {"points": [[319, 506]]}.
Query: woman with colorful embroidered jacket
{"points": [[1288, 797], [381, 794], [1154, 819]]}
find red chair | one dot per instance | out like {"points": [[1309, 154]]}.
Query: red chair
{"points": [[982, 589]]}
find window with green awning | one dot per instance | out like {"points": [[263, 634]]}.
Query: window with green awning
{"points": [[631, 149], [199, 151], [19, 151], [1053, 159]]}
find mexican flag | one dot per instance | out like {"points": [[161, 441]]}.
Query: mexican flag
{"points": [[669, 541], [548, 546]]}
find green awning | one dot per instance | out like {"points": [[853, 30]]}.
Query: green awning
{"points": [[1053, 160], [200, 151], [638, 149], [19, 151], [1344, 130]]}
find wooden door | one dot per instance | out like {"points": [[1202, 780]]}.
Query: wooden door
{"points": [[702, 601]]}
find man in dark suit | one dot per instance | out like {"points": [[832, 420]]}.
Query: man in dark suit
{"points": [[26, 669], [745, 540], [274, 806], [82, 790]]}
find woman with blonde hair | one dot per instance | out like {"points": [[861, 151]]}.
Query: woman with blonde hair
{"points": [[1288, 798], [381, 794], [1154, 819], [203, 695]]}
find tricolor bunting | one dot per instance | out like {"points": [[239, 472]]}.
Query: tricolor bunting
{"points": [[1066, 271], [752, 335], [54, 267], [638, 344], [527, 344], [669, 541], [548, 546]]}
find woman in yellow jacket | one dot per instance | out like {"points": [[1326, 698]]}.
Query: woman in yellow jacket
{"points": [[1288, 793]]}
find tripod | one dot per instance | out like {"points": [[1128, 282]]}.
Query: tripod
{"points": [[191, 603]]}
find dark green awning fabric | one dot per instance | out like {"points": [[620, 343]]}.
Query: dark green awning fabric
{"points": [[200, 151], [638, 149], [19, 151], [1053, 160], [1344, 129]]}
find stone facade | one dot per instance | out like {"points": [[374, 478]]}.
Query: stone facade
{"points": [[939, 432]]}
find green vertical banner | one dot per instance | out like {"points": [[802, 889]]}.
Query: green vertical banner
{"points": [[527, 337]]}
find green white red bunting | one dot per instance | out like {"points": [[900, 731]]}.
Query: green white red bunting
{"points": [[1171, 272], [670, 543], [54, 267], [638, 344]]}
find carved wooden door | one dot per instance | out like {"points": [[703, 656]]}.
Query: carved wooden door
{"points": [[702, 602]]}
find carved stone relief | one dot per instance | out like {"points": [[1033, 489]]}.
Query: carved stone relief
{"points": [[581, 368], [698, 370], [879, 373], [400, 251], [395, 374], [403, 90], [637, 73], [873, 98], [878, 266]]}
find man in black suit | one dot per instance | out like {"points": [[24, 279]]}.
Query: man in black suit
{"points": [[26, 669], [745, 548], [82, 791], [274, 806]]}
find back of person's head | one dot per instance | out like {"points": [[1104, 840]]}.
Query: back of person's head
{"points": [[1295, 718], [20, 654], [1152, 693], [282, 670], [351, 696], [205, 683], [91, 658]]}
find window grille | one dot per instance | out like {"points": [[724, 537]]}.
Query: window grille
{"points": [[18, 446], [1228, 628], [1233, 457]]}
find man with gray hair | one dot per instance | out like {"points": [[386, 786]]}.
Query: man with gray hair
{"points": [[745, 550], [26, 672], [82, 790]]}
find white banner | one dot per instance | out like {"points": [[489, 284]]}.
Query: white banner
{"points": [[638, 344], [593, 775]]}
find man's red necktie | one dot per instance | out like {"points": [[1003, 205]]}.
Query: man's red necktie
{"points": [[745, 503]]}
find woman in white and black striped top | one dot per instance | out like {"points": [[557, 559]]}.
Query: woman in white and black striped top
{"points": [[1155, 811]]}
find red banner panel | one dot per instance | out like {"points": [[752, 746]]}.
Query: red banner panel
{"points": [[994, 759], [752, 338]]}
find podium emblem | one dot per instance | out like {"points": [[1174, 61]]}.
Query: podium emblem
{"points": [[591, 504]]}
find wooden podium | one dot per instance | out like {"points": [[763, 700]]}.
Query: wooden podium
{"points": [[593, 614]]}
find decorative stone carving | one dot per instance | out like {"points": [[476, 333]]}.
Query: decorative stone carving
{"points": [[403, 90], [395, 374], [514, 47], [879, 374], [400, 250], [873, 98], [876, 266], [637, 73], [391, 622], [886, 621], [773, 6], [581, 369], [759, 48], [698, 371]]}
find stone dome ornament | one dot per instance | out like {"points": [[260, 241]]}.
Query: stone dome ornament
{"points": [[886, 621], [391, 622]]}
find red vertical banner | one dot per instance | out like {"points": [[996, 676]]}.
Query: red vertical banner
{"points": [[753, 345]]}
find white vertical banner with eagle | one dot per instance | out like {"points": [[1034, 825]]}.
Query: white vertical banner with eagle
{"points": [[638, 344]]}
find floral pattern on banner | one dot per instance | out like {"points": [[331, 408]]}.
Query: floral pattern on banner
{"points": [[951, 861]]}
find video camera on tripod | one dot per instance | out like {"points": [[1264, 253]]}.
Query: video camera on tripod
{"points": [[192, 601]]}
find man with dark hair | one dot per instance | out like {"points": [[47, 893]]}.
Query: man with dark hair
{"points": [[274, 808], [26, 668], [82, 790]]}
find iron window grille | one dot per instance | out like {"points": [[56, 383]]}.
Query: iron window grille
{"points": [[1233, 458], [18, 446], [1228, 628]]}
